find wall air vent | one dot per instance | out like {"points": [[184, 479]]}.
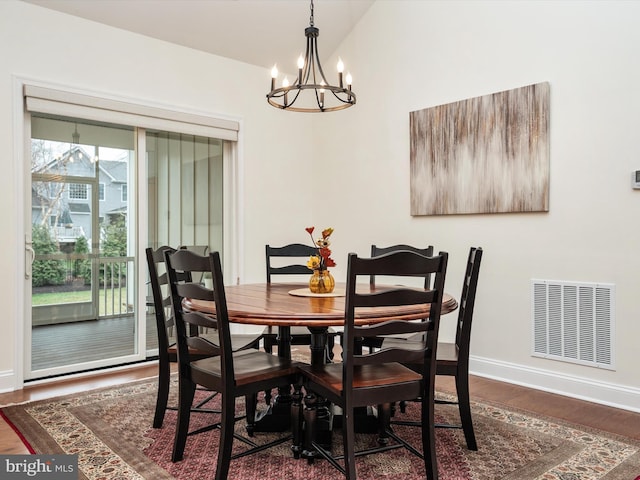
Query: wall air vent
{"points": [[573, 322]]}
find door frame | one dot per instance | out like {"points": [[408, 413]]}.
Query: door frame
{"points": [[233, 216]]}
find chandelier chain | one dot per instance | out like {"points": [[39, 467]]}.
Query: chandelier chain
{"points": [[311, 17]]}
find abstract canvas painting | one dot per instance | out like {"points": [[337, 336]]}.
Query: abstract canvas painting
{"points": [[488, 154]]}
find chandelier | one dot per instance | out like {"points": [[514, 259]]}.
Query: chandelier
{"points": [[311, 86]]}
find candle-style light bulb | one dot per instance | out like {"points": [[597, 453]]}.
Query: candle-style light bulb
{"points": [[274, 75], [340, 67], [349, 80], [285, 84], [300, 67], [321, 94]]}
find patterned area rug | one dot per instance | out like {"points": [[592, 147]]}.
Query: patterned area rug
{"points": [[110, 430]]}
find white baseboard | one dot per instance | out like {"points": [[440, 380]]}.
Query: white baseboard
{"points": [[618, 396], [7, 381]]}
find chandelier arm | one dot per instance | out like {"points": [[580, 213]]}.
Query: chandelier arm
{"points": [[295, 96], [308, 60], [314, 46], [351, 98]]}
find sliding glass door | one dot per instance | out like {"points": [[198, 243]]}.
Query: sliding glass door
{"points": [[87, 281], [82, 275]]}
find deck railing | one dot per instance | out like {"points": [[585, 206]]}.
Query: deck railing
{"points": [[113, 280]]}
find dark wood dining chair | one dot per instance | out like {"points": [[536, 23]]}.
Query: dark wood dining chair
{"points": [[453, 357], [376, 251], [232, 374], [299, 252], [160, 301], [380, 377]]}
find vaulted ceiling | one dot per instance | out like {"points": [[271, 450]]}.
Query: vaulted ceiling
{"points": [[259, 32]]}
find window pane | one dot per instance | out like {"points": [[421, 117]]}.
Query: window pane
{"points": [[78, 191]]}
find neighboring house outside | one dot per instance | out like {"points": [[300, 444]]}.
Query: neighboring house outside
{"points": [[69, 206]]}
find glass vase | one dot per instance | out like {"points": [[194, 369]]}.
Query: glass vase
{"points": [[321, 282]]}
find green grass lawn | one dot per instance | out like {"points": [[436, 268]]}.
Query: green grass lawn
{"points": [[79, 296], [61, 297]]}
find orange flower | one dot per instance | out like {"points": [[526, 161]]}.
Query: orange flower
{"points": [[323, 260]]}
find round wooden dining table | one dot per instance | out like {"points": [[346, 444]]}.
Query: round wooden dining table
{"points": [[286, 305]]}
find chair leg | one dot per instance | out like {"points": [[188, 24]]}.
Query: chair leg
{"points": [[250, 402], [310, 414], [464, 406], [187, 390], [348, 435], [268, 347], [226, 436], [429, 434], [163, 393], [384, 420]]}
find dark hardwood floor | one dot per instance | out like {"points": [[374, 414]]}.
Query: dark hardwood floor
{"points": [[592, 415], [580, 412]]}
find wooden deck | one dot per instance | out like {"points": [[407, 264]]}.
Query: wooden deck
{"points": [[77, 342]]}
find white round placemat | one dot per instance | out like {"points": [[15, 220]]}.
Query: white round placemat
{"points": [[305, 292]]}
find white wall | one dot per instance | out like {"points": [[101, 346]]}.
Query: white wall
{"points": [[404, 56], [40, 44], [410, 55]]}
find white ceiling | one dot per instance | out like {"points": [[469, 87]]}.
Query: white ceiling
{"points": [[259, 32]]}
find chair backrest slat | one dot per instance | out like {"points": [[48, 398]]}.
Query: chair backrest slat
{"points": [[391, 327], [415, 355], [394, 296], [427, 252], [194, 290]]}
